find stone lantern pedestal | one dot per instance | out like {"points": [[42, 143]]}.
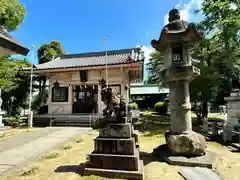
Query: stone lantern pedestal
{"points": [[174, 42]]}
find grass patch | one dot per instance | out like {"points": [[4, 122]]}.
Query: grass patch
{"points": [[215, 144], [67, 147], [5, 134], [29, 171], [2, 135], [152, 126], [147, 113], [217, 116], [79, 140], [28, 130], [52, 155]]}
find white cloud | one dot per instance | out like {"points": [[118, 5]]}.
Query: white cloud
{"points": [[147, 51], [186, 10]]}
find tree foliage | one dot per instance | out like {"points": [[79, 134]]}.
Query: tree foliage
{"points": [[12, 13], [155, 66], [218, 53], [15, 86], [48, 51]]}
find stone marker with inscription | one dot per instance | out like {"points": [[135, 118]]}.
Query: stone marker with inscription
{"points": [[116, 152]]}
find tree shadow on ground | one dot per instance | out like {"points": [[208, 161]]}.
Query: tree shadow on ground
{"points": [[149, 158]]}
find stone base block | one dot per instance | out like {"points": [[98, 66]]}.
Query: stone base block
{"points": [[115, 161], [114, 146], [187, 144], [116, 130], [207, 160], [87, 170]]}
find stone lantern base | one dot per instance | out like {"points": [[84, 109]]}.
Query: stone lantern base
{"points": [[187, 144], [186, 149]]}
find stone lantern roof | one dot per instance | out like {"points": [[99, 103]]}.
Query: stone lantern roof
{"points": [[176, 31]]}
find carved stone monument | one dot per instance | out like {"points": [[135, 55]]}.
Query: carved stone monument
{"points": [[174, 42], [116, 152]]}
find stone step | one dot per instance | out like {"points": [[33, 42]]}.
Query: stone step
{"points": [[72, 120], [115, 161], [109, 173], [114, 146], [77, 124]]}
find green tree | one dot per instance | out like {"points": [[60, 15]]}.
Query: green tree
{"points": [[222, 20], [46, 53], [155, 66], [12, 13], [14, 85], [205, 87]]}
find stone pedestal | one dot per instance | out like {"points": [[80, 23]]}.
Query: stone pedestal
{"points": [[187, 144], [181, 139], [233, 115], [116, 152]]}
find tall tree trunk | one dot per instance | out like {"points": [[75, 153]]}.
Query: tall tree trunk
{"points": [[229, 66], [204, 109]]}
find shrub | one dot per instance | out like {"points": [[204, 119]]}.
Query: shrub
{"points": [[161, 107], [135, 106], [16, 121]]}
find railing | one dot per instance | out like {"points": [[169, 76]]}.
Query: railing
{"points": [[54, 119], [94, 116]]}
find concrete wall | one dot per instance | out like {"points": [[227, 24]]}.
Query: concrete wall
{"points": [[115, 77]]}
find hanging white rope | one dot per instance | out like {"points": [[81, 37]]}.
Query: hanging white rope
{"points": [[105, 43]]}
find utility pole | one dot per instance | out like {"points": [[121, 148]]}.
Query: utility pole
{"points": [[30, 114], [105, 43]]}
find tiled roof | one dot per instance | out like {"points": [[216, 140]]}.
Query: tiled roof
{"points": [[122, 56], [8, 42]]}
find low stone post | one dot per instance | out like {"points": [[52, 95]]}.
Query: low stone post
{"points": [[214, 129]]}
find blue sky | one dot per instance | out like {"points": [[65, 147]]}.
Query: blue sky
{"points": [[81, 25]]}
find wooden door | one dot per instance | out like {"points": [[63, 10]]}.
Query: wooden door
{"points": [[84, 99]]}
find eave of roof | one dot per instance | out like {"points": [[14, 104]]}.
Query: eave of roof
{"points": [[8, 42]]}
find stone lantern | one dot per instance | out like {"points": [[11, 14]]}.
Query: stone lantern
{"points": [[175, 40]]}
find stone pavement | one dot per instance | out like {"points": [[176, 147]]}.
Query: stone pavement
{"points": [[18, 149]]}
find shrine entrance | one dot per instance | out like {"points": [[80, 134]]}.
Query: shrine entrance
{"points": [[85, 98]]}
